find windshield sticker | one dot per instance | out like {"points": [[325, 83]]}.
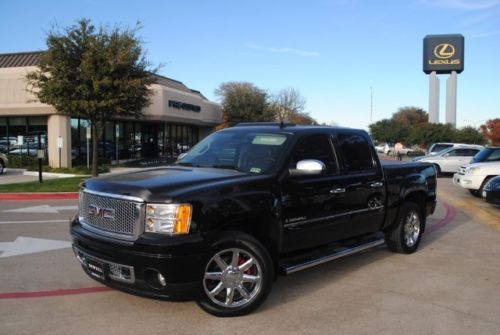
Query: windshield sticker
{"points": [[255, 170], [269, 139]]}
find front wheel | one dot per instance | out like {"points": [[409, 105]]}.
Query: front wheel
{"points": [[238, 276], [406, 235]]}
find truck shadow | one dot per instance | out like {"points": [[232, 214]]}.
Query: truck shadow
{"points": [[310, 281]]}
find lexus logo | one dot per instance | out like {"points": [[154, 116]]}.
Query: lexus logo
{"points": [[97, 212], [444, 51]]}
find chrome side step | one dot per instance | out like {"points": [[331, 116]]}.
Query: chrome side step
{"points": [[302, 263]]}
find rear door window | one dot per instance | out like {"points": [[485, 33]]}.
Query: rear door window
{"points": [[355, 152]]}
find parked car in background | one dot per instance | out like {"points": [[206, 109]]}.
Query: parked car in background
{"points": [[491, 191], [3, 162], [382, 148], [474, 177], [490, 154], [437, 147], [450, 160]]}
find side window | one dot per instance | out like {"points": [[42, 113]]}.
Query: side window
{"points": [[315, 147], [494, 156], [355, 152], [453, 153], [472, 152]]}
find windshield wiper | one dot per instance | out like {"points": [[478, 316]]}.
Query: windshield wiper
{"points": [[184, 164], [222, 166]]}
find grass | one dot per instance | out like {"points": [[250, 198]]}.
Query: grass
{"points": [[51, 185]]}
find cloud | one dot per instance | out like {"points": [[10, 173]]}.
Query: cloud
{"points": [[462, 4], [285, 50]]}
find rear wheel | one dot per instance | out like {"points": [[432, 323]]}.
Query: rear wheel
{"points": [[406, 235], [238, 276]]}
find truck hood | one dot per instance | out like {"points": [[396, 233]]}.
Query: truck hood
{"points": [[163, 184]]}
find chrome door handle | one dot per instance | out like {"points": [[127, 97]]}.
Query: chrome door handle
{"points": [[337, 190], [377, 184]]}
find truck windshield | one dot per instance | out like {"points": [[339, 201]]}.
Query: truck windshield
{"points": [[251, 151]]}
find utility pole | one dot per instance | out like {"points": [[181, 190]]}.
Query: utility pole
{"points": [[371, 105]]}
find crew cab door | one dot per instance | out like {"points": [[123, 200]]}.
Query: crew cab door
{"points": [[362, 179], [313, 207]]}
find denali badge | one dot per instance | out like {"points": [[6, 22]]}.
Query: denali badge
{"points": [[106, 213]]}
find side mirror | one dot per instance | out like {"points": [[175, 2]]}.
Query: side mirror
{"points": [[308, 167], [446, 155]]}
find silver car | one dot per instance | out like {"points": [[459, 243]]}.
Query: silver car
{"points": [[3, 162]]}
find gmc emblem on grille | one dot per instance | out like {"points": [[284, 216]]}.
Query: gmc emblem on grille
{"points": [[105, 213]]}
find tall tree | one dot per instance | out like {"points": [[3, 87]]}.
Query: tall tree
{"points": [[410, 116], [469, 135], [388, 130], [429, 133], [243, 102], [95, 73], [288, 103], [491, 130]]}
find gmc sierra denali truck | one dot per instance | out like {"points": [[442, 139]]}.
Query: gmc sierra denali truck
{"points": [[243, 206]]}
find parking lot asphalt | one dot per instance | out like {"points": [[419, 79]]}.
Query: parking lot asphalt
{"points": [[450, 286]]}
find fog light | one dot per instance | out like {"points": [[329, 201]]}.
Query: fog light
{"points": [[162, 280]]}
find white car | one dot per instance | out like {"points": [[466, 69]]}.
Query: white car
{"points": [[382, 148], [3, 162], [450, 160], [475, 176]]}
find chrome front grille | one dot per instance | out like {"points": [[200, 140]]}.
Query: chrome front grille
{"points": [[112, 215]]}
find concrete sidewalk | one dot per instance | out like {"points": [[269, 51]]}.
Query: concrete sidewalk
{"points": [[12, 176]]}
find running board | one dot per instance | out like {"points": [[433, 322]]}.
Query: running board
{"points": [[302, 262]]}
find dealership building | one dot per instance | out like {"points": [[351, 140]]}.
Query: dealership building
{"points": [[176, 119]]}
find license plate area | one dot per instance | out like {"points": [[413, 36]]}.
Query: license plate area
{"points": [[104, 270], [96, 269]]}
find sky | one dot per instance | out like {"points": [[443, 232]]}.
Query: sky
{"points": [[340, 54]]}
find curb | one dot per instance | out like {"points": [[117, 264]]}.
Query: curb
{"points": [[40, 196], [52, 174]]}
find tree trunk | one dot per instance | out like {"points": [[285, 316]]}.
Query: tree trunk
{"points": [[95, 141]]}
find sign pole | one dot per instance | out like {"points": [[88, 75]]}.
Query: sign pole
{"points": [[117, 135], [60, 146], [88, 147], [40, 179], [451, 99], [433, 98]]}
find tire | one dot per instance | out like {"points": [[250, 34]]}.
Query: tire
{"points": [[238, 276], [475, 193], [406, 235], [480, 191], [2, 166]]}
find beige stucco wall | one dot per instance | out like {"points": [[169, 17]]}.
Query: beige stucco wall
{"points": [[15, 100], [14, 97], [59, 125]]}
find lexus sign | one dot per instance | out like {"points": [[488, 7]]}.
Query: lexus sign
{"points": [[443, 53]]}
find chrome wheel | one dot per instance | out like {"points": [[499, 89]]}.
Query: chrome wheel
{"points": [[233, 278], [411, 228]]}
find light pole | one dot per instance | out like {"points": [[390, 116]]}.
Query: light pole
{"points": [[371, 104]]}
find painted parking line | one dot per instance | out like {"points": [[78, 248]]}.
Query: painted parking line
{"points": [[449, 217], [451, 212], [54, 293]]}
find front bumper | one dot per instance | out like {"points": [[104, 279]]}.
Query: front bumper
{"points": [[134, 266], [472, 182]]}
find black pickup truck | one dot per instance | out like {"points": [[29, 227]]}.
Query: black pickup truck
{"points": [[243, 206]]}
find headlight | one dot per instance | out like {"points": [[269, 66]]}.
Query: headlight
{"points": [[169, 219], [472, 170]]}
